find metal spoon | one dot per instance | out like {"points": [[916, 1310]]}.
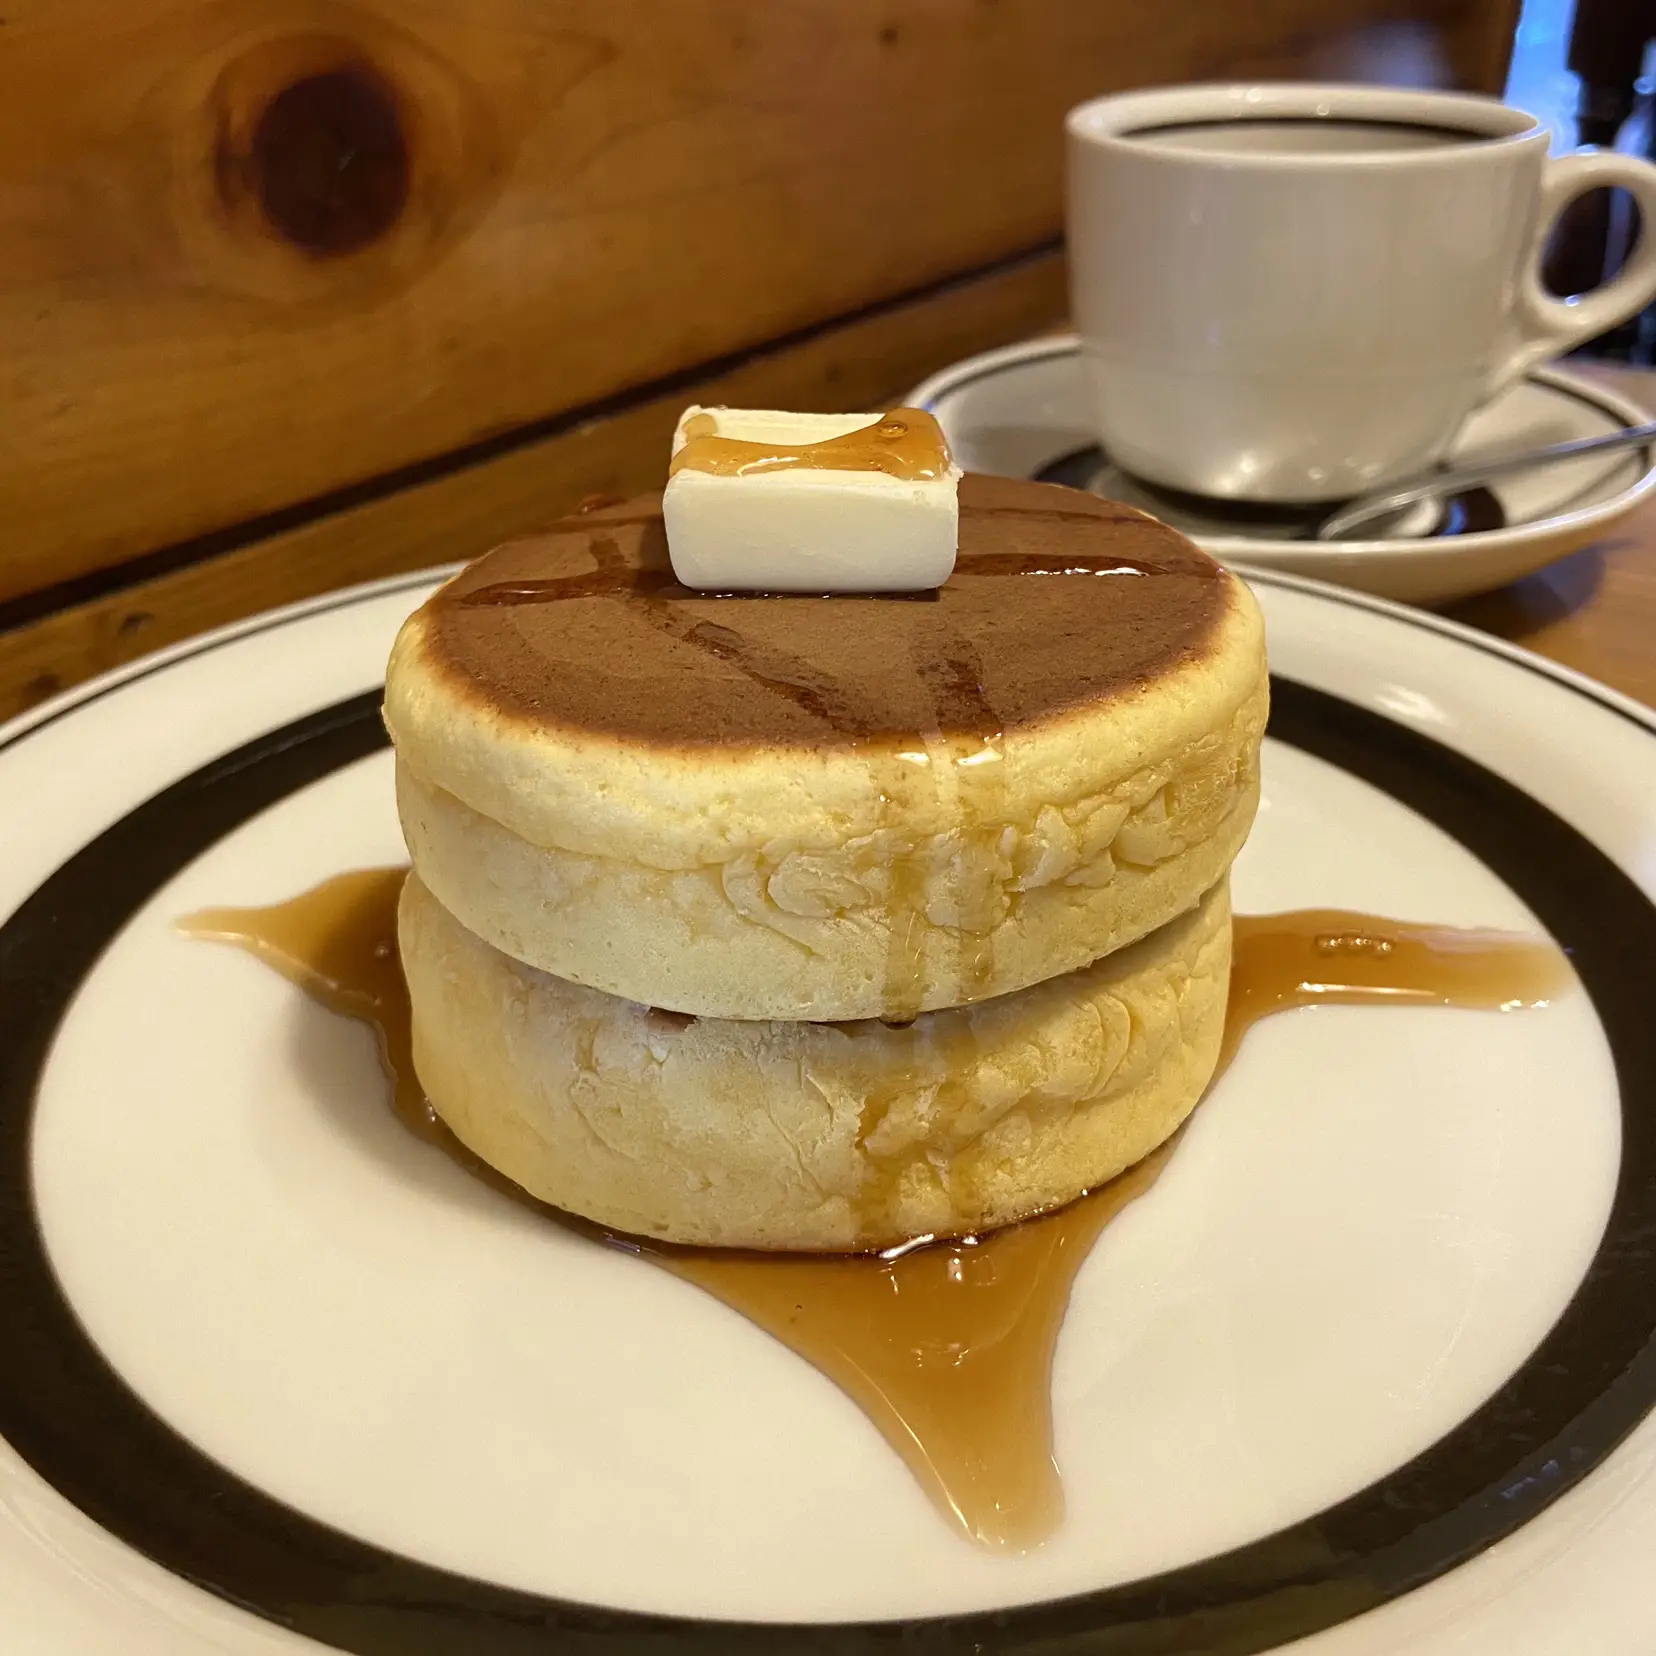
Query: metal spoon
{"points": [[1410, 491]]}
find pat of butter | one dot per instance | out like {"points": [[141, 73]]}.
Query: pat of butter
{"points": [[807, 508]]}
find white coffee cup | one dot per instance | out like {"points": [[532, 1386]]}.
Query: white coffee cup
{"points": [[1298, 292]]}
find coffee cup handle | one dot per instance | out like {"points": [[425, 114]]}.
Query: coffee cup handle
{"points": [[1548, 327]]}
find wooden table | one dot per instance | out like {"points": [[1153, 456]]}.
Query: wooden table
{"points": [[1595, 611]]}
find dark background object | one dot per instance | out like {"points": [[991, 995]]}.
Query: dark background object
{"points": [[1608, 42]]}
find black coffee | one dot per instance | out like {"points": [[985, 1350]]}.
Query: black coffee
{"points": [[1296, 135]]}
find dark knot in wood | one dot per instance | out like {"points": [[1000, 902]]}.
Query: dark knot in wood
{"points": [[328, 161]]}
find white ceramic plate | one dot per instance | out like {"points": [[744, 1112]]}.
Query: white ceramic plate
{"points": [[270, 1368], [1022, 412]]}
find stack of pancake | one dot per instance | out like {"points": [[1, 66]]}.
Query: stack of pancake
{"points": [[824, 923]]}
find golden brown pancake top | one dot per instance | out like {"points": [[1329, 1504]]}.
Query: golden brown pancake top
{"points": [[1058, 600]]}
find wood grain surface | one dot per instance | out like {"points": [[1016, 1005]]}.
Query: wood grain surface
{"points": [[255, 251], [1596, 610], [465, 511]]}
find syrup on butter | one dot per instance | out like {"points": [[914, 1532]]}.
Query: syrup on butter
{"points": [[763, 500]]}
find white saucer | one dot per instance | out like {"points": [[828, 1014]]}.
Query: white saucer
{"points": [[1371, 1364], [1022, 412]]}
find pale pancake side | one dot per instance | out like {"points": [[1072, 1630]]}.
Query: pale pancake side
{"points": [[617, 716], [813, 1136]]}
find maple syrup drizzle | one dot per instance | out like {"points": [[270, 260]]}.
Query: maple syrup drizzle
{"points": [[611, 576], [1072, 564], [905, 443], [909, 776], [907, 780], [926, 776], [976, 758], [615, 579], [947, 1346], [1334, 957]]}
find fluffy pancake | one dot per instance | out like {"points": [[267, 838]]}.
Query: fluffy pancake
{"points": [[793, 1135], [831, 808]]}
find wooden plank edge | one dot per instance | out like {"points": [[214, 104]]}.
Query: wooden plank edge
{"points": [[17, 607], [465, 509]]}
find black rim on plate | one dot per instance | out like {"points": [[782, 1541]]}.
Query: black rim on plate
{"points": [[72, 1417]]}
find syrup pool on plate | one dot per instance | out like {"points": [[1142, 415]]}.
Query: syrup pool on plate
{"points": [[946, 1344]]}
